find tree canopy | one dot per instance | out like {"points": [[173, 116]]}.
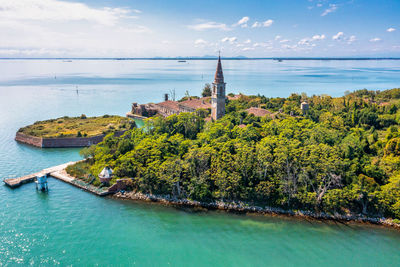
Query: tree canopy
{"points": [[342, 156]]}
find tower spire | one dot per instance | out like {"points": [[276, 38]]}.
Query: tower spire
{"points": [[219, 75], [218, 92]]}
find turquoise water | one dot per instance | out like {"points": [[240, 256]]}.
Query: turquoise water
{"points": [[68, 226]]}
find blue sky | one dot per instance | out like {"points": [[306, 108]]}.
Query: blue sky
{"points": [[295, 28]]}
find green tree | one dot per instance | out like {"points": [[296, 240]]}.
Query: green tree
{"points": [[206, 90]]}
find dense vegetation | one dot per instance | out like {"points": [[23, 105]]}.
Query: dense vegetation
{"points": [[77, 126], [341, 157]]}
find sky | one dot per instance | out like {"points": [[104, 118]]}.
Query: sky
{"points": [[152, 28]]}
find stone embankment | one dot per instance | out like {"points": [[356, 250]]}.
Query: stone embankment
{"points": [[65, 177], [240, 207], [62, 142]]}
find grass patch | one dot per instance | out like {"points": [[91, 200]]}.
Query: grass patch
{"points": [[77, 126], [81, 171]]}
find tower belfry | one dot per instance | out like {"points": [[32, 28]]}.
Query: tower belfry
{"points": [[218, 93]]}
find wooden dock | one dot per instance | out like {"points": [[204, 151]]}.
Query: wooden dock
{"points": [[15, 182], [59, 173]]}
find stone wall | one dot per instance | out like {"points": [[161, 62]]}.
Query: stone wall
{"points": [[28, 139], [62, 142], [121, 184]]}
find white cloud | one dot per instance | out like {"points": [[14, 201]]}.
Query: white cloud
{"points": [[265, 44], [309, 41], [266, 23], [278, 37], [304, 41], [200, 42], [289, 46], [242, 22], [229, 39], [318, 37], [248, 41], [284, 41], [351, 39], [209, 26], [374, 40], [338, 36], [247, 48], [62, 28], [31, 52], [391, 30], [332, 8], [55, 10]]}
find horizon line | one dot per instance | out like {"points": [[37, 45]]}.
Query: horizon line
{"points": [[201, 58]]}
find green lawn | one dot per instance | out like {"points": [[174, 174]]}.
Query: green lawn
{"points": [[77, 126]]}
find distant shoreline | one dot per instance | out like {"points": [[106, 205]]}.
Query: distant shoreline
{"points": [[214, 58]]}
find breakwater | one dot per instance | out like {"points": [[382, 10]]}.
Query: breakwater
{"points": [[62, 142]]}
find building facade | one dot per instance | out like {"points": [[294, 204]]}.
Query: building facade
{"points": [[218, 93]]}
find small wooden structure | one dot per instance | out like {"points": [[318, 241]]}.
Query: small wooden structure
{"points": [[105, 175]]}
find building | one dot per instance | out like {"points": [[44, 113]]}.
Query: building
{"points": [[218, 93], [168, 107], [105, 175], [304, 107]]}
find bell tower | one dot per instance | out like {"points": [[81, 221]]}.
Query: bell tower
{"points": [[218, 93]]}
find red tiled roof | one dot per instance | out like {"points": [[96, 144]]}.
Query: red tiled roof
{"points": [[169, 104], [233, 97], [258, 112], [197, 103]]}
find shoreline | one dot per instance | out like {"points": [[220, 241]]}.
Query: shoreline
{"points": [[66, 178], [244, 208], [237, 207]]}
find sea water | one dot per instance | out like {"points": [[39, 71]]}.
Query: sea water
{"points": [[68, 226]]}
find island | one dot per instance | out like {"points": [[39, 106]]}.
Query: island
{"points": [[73, 131], [319, 156]]}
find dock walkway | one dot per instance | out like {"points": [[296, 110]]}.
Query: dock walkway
{"points": [[15, 182], [59, 173]]}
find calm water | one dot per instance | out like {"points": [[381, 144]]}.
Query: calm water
{"points": [[68, 226]]}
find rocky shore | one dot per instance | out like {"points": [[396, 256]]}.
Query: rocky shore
{"points": [[241, 207]]}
